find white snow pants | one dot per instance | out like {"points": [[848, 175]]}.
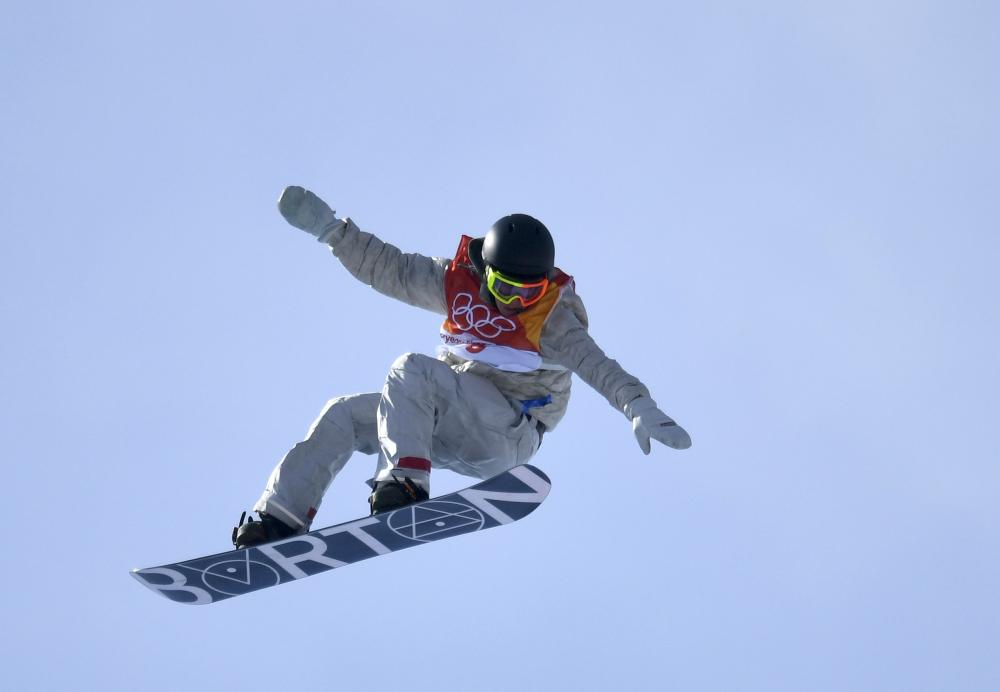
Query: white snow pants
{"points": [[426, 410]]}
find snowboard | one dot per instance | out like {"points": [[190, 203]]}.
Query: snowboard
{"points": [[503, 499]]}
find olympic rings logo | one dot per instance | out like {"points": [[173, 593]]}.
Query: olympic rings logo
{"points": [[467, 317]]}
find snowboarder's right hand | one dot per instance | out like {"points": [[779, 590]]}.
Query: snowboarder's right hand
{"points": [[306, 211]]}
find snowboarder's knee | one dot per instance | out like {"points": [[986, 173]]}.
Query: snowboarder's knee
{"points": [[412, 363]]}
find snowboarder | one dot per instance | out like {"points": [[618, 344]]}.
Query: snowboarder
{"points": [[514, 333]]}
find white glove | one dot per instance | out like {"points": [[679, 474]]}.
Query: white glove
{"points": [[308, 212], [650, 422]]}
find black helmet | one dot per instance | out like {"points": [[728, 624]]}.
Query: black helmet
{"points": [[518, 245]]}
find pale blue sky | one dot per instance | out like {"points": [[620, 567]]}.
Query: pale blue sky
{"points": [[779, 215]]}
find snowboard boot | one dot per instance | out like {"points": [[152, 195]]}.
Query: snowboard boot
{"points": [[395, 493], [263, 530]]}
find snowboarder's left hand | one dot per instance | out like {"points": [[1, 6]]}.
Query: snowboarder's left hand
{"points": [[649, 422]]}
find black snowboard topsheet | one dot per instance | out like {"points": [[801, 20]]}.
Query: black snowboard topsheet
{"points": [[503, 499]]}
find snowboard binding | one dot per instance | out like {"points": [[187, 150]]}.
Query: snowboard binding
{"points": [[395, 493], [251, 532]]}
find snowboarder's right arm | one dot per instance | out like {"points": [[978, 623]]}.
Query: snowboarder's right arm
{"points": [[414, 279]]}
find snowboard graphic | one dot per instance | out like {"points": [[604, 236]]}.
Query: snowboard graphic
{"points": [[505, 498]]}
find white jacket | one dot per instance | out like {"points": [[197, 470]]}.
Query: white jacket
{"points": [[565, 345]]}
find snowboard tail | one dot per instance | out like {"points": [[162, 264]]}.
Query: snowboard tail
{"points": [[503, 499]]}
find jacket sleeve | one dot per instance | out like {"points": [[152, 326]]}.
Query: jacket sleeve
{"points": [[565, 341], [414, 279]]}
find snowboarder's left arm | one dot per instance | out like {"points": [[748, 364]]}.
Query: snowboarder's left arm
{"points": [[565, 341]]}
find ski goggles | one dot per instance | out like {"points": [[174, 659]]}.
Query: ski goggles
{"points": [[506, 290]]}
